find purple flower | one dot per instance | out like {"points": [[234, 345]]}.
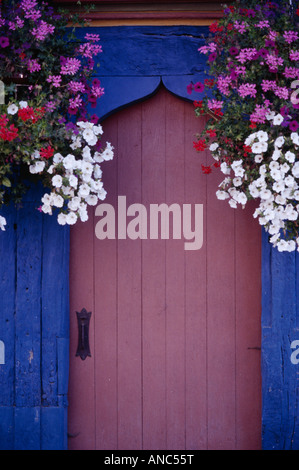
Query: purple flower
{"points": [[96, 82], [234, 51], [212, 57], [293, 126], [94, 118], [284, 111], [269, 43], [199, 87], [4, 41], [189, 88], [263, 53]]}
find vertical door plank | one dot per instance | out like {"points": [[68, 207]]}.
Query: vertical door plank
{"points": [[129, 287], [248, 326], [196, 295], [153, 279], [7, 329], [175, 276], [81, 386], [221, 318], [105, 282], [28, 300]]}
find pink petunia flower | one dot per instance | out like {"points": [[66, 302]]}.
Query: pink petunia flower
{"points": [[247, 89], [33, 66], [290, 36], [55, 80], [70, 67]]}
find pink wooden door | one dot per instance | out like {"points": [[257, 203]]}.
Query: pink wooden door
{"points": [[174, 334]]}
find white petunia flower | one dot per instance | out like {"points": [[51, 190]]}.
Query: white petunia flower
{"points": [[258, 158], [69, 162], [61, 218], [38, 167], [2, 222], [58, 200], [12, 109], [57, 181], [224, 168], [91, 199], [295, 138], [290, 156], [90, 136], [221, 195], [295, 169], [279, 141], [214, 146], [278, 119], [71, 218]]}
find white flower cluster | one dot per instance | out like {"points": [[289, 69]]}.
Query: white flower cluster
{"points": [[275, 181], [76, 177]]}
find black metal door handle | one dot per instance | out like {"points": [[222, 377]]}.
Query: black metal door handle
{"points": [[83, 349]]}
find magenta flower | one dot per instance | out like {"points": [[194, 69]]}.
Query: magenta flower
{"points": [[247, 89], [55, 80], [293, 126], [94, 118], [96, 82], [199, 87], [4, 41], [212, 57], [189, 88], [290, 36], [233, 51], [33, 66], [70, 67]]}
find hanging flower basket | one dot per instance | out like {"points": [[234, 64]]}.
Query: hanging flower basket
{"points": [[48, 130], [251, 98]]}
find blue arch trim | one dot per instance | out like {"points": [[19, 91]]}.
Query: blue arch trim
{"points": [[137, 60]]}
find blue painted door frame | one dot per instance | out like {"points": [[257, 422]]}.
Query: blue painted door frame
{"points": [[34, 277]]}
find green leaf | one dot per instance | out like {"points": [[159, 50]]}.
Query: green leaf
{"points": [[6, 182]]}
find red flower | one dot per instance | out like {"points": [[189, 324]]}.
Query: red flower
{"points": [[211, 132], [216, 164], [218, 112], [26, 113], [8, 134], [200, 145], [206, 169], [209, 82], [46, 152], [247, 149], [253, 125]]}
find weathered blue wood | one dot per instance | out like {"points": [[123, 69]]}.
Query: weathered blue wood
{"points": [[124, 91], [279, 328], [34, 297], [136, 60], [54, 307], [149, 50], [7, 308], [54, 428], [7, 428], [27, 428], [28, 302]]}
